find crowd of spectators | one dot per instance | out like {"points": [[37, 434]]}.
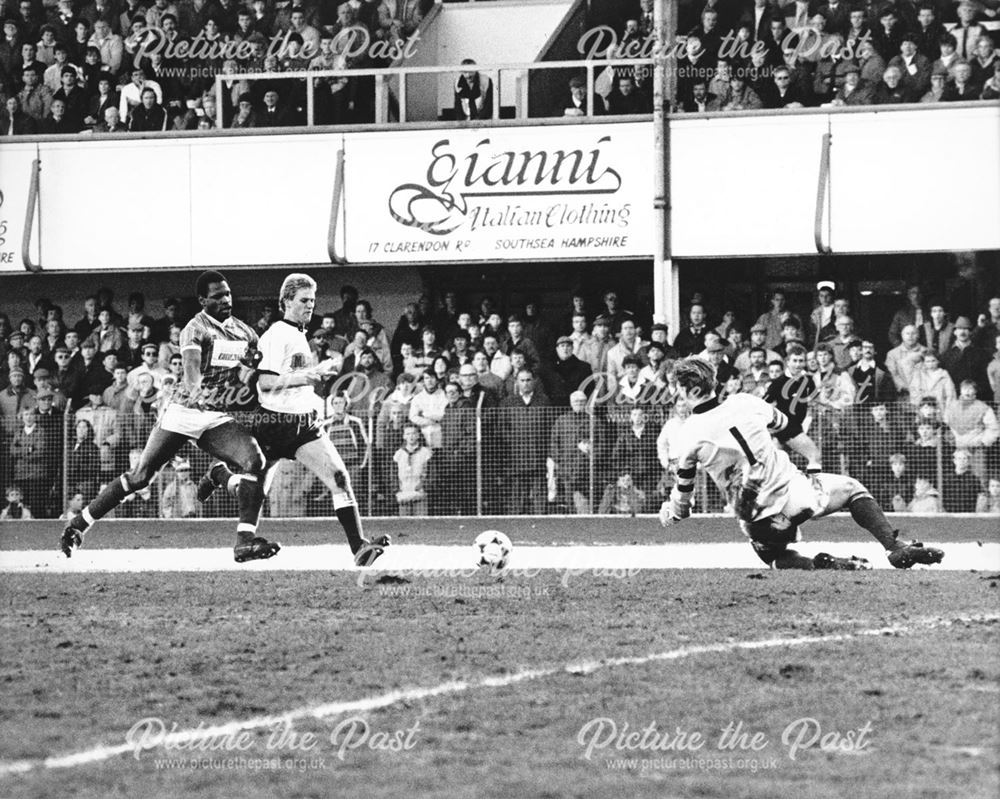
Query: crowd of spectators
{"points": [[114, 66], [805, 53], [535, 411]]}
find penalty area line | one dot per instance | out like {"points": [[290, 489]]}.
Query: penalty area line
{"points": [[190, 738]]}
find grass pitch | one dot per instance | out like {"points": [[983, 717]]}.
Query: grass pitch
{"points": [[540, 685]]}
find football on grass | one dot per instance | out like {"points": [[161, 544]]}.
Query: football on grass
{"points": [[492, 549]]}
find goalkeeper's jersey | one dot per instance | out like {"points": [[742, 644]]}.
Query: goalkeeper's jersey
{"points": [[732, 442]]}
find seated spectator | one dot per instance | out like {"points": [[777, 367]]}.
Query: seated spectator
{"points": [[149, 115], [700, 100], [991, 89], [782, 93], [473, 94], [961, 489], [891, 90], [990, 501], [13, 120], [112, 122], [962, 88], [741, 96], [103, 98], [626, 98], [15, 509], [926, 498], [576, 102], [914, 66], [273, 115], [412, 460], [939, 80], [245, 116]]}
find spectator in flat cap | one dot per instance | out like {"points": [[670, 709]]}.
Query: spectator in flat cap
{"points": [[567, 374], [575, 104], [939, 80]]}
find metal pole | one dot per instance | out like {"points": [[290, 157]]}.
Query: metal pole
{"points": [[370, 446], [666, 302], [218, 101], [310, 103]]}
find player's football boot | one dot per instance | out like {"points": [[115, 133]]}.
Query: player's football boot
{"points": [[206, 487], [851, 564], [370, 551], [256, 549], [910, 553], [72, 539]]}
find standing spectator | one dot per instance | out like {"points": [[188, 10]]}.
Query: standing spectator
{"points": [[938, 332], [926, 498], [473, 94], [628, 344], [594, 351], [930, 380], [988, 326], [35, 97], [926, 454], [412, 459], [34, 462], [773, 321], [961, 490], [454, 465], [109, 45], [872, 383], [990, 501], [879, 436], [691, 339], [993, 371], [635, 452], [525, 432], [902, 361], [963, 361], [179, 500], [427, 409], [81, 461], [102, 419], [15, 509], [974, 426], [568, 374], [840, 345], [517, 339], [897, 491], [910, 314], [571, 449]]}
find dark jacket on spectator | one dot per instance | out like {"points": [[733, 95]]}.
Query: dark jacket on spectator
{"points": [[565, 377], [23, 124], [151, 119]]}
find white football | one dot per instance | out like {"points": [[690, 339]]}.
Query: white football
{"points": [[492, 549]]}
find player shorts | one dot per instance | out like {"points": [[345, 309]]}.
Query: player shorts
{"points": [[281, 434], [791, 430], [191, 422]]}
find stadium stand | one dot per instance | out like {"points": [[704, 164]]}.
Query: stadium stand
{"points": [[114, 66], [530, 413]]}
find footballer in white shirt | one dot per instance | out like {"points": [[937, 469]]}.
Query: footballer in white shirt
{"points": [[287, 424], [733, 443]]}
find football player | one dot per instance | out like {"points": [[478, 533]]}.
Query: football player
{"points": [[214, 348], [287, 424], [733, 443]]}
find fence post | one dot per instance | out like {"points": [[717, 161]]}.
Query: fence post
{"points": [[370, 447], [591, 458], [65, 459], [479, 454]]}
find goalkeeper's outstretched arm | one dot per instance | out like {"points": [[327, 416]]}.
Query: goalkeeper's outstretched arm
{"points": [[678, 506]]}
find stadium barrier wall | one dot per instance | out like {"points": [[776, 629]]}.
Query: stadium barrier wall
{"points": [[493, 461], [442, 194]]}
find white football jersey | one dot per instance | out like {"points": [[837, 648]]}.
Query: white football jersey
{"points": [[732, 441], [284, 350]]}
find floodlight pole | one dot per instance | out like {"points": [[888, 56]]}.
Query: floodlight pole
{"points": [[666, 280]]}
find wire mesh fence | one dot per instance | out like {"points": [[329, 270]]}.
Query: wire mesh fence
{"points": [[455, 456]]}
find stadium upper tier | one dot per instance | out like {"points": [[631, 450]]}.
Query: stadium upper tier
{"points": [[119, 66]]}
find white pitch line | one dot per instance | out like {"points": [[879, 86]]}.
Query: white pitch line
{"points": [[730, 555], [224, 731]]}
